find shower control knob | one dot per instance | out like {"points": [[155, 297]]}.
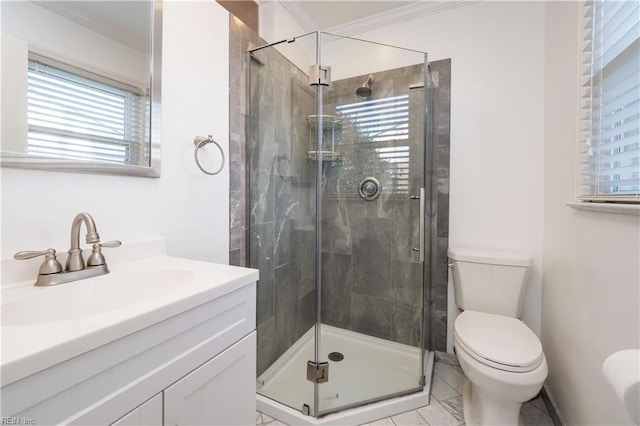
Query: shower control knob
{"points": [[370, 188]]}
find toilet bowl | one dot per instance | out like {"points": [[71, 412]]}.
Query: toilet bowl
{"points": [[504, 365], [501, 357]]}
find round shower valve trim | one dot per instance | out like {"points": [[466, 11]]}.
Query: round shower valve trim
{"points": [[370, 188]]}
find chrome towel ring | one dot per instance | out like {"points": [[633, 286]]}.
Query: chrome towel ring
{"points": [[201, 141]]}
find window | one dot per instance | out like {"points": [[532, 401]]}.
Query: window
{"points": [[381, 119], [383, 125], [73, 114], [609, 166]]}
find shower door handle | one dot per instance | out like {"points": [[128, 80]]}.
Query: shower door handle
{"points": [[420, 249]]}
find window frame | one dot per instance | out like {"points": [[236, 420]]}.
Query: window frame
{"points": [[591, 71]]}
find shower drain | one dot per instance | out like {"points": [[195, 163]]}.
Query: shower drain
{"points": [[336, 356]]}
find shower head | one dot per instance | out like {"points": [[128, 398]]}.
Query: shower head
{"points": [[364, 91]]}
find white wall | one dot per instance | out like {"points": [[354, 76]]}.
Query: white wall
{"points": [[188, 207], [277, 24], [591, 292]]}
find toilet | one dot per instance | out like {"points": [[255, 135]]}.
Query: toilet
{"points": [[501, 357]]}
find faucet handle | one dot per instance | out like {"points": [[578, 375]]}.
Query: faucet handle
{"points": [[96, 257], [50, 264], [111, 244]]}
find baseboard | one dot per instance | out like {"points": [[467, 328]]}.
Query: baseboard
{"points": [[551, 407]]}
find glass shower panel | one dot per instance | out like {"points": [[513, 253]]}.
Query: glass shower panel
{"points": [[337, 149], [373, 175], [282, 216]]}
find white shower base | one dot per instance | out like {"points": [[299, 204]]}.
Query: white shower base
{"points": [[372, 368]]}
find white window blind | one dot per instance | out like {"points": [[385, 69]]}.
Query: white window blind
{"points": [[609, 168], [381, 119], [73, 114], [384, 123]]}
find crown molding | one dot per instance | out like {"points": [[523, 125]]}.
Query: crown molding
{"points": [[66, 10], [396, 16], [300, 14]]}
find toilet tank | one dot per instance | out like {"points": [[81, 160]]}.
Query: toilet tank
{"points": [[489, 281]]}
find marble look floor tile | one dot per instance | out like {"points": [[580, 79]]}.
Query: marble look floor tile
{"points": [[539, 403], [451, 375], [262, 419], [441, 390], [410, 418], [530, 415], [436, 414], [382, 422], [454, 406], [447, 358]]}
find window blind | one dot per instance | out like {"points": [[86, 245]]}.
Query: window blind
{"points": [[396, 162], [74, 116], [381, 119], [384, 123], [609, 158]]}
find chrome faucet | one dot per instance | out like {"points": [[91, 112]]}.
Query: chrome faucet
{"points": [[51, 272]]}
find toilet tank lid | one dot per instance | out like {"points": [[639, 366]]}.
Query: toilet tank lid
{"points": [[493, 257]]}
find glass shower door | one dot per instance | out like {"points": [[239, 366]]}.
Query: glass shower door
{"points": [[281, 212], [372, 194]]}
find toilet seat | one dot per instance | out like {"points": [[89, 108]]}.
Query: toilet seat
{"points": [[498, 341]]}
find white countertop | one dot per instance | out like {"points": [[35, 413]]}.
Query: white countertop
{"points": [[31, 346]]}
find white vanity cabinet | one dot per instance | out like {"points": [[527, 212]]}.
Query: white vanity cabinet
{"points": [[216, 393], [196, 366], [148, 414]]}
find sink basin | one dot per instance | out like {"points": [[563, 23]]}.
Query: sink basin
{"points": [[92, 296]]}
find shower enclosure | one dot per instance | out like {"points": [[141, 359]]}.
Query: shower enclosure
{"points": [[338, 178]]}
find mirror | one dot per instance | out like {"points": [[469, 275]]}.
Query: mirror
{"points": [[80, 86]]}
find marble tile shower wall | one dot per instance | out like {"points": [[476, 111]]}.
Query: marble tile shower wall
{"points": [[372, 280], [439, 129], [241, 38], [371, 277]]}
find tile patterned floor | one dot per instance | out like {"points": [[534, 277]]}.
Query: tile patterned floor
{"points": [[446, 404]]}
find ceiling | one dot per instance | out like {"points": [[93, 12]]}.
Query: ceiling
{"points": [[331, 13]]}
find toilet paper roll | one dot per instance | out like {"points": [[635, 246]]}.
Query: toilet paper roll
{"points": [[622, 371]]}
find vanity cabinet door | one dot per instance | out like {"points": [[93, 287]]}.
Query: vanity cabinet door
{"points": [[220, 392], [149, 414]]}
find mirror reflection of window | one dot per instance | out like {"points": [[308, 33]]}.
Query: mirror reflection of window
{"points": [[77, 115], [78, 83]]}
